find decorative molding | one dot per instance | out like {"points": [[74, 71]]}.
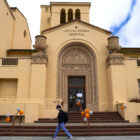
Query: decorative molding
{"points": [[75, 67], [115, 59], [113, 44], [39, 58], [40, 43], [77, 59]]}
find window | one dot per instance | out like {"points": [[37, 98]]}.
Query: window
{"points": [[138, 62], [76, 81], [139, 85], [70, 15], [48, 20], [63, 16], [24, 33], [77, 14], [9, 61]]}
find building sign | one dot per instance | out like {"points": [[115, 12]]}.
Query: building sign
{"points": [[76, 32]]}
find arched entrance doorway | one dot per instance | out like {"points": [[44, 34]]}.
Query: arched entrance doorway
{"points": [[77, 76]]}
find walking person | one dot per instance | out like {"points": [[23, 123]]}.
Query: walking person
{"points": [[62, 119]]}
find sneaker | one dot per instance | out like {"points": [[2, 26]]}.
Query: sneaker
{"points": [[70, 137], [53, 138]]}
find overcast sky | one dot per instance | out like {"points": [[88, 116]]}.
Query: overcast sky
{"points": [[122, 17]]}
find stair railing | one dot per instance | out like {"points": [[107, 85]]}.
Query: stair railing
{"points": [[12, 120]]}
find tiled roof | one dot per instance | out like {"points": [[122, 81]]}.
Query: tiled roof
{"points": [[19, 50]]}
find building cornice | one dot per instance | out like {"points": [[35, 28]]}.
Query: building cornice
{"points": [[129, 50], [58, 26], [44, 6], [71, 3], [21, 50]]}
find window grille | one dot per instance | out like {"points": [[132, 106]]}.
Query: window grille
{"points": [[9, 61]]}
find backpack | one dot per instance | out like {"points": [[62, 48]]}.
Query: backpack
{"points": [[65, 117]]}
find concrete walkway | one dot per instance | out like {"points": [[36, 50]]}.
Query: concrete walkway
{"points": [[75, 138]]}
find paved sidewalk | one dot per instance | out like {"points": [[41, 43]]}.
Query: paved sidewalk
{"points": [[75, 138]]}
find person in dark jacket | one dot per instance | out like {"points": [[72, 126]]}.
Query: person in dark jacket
{"points": [[60, 118]]}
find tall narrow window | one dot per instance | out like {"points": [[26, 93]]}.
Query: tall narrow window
{"points": [[139, 85], [138, 62], [63, 16], [70, 15], [77, 14]]}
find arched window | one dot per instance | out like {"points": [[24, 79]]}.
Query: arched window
{"points": [[70, 15], [77, 14], [62, 16]]}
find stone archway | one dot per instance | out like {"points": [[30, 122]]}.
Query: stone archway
{"points": [[77, 59]]}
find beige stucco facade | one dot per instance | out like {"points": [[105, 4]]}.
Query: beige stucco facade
{"points": [[50, 14], [14, 32], [36, 80]]}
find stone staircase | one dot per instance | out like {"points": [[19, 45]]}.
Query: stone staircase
{"points": [[97, 117], [101, 124], [97, 130]]}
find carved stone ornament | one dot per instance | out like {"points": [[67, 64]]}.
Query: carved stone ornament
{"points": [[115, 59], [113, 44], [40, 43], [77, 59], [39, 58]]}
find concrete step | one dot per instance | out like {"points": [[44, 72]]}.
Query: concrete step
{"points": [[73, 130], [98, 130], [81, 121], [97, 117]]}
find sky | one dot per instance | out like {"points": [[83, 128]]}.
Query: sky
{"points": [[121, 17]]}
